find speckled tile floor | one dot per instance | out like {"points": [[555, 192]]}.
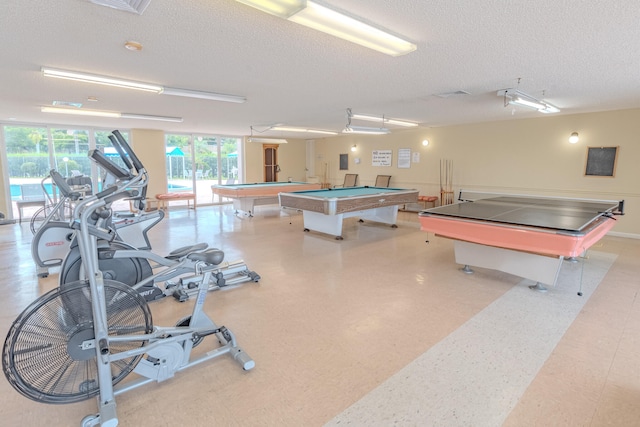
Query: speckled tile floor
{"points": [[377, 329]]}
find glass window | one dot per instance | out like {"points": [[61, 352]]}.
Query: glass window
{"points": [[70, 148], [28, 163]]}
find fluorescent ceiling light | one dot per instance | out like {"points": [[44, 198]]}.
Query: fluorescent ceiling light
{"points": [[110, 114], [550, 109], [516, 97], [337, 24], [102, 80], [365, 130], [281, 8], [295, 129], [384, 120], [267, 140], [147, 87], [203, 95], [151, 117]]}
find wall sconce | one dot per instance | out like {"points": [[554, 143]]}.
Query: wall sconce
{"points": [[354, 148], [574, 138], [425, 142]]}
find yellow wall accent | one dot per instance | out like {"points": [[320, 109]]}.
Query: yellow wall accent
{"points": [[291, 158], [149, 146], [521, 156]]}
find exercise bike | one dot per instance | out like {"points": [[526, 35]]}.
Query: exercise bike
{"points": [[143, 269], [54, 236], [80, 342]]}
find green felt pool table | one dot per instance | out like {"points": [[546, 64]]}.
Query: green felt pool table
{"points": [[324, 210]]}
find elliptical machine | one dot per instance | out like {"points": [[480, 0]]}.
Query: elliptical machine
{"points": [[142, 269], [54, 237]]}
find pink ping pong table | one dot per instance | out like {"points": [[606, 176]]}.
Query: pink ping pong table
{"points": [[527, 236]]}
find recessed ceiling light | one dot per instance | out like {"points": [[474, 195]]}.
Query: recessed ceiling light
{"points": [[135, 46], [92, 99]]}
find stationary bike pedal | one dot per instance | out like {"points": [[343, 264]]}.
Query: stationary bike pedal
{"points": [[181, 295], [220, 280]]}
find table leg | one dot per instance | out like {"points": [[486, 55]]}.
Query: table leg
{"points": [[328, 224]]}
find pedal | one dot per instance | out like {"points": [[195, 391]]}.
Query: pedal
{"points": [[220, 280], [181, 295]]}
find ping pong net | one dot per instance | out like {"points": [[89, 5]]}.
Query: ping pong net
{"points": [[591, 205], [546, 212]]}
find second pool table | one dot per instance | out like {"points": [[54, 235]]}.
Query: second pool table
{"points": [[324, 210]]}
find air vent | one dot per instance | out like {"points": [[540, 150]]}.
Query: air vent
{"points": [[450, 94], [67, 104], [133, 6]]}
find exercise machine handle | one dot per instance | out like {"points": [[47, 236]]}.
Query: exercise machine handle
{"points": [[63, 186], [104, 193], [108, 165], [127, 148], [121, 152]]}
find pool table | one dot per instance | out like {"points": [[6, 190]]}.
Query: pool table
{"points": [[324, 210], [247, 196]]}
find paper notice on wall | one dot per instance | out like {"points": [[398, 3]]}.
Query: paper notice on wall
{"points": [[404, 158]]}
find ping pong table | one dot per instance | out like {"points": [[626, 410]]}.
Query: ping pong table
{"points": [[528, 236]]}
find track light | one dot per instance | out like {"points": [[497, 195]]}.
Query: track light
{"points": [[101, 80], [384, 120], [110, 114], [516, 97], [296, 129], [574, 138], [337, 24], [281, 8], [130, 84], [203, 95], [349, 128], [267, 140], [365, 130]]}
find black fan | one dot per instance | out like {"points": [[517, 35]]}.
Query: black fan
{"points": [[43, 357]]}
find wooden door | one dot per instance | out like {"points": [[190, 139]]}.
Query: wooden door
{"points": [[271, 168]]}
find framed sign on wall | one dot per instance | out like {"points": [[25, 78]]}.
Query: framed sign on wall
{"points": [[381, 158]]}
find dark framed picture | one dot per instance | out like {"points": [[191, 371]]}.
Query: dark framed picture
{"points": [[601, 161]]}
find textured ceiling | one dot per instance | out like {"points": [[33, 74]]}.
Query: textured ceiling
{"points": [[582, 56]]}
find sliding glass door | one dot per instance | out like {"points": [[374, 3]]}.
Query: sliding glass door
{"points": [[196, 162]]}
